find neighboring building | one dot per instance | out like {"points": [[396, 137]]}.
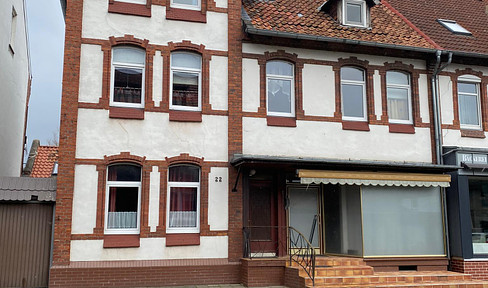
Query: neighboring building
{"points": [[15, 82]]}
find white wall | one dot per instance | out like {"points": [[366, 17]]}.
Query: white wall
{"points": [[85, 199], [14, 77], [424, 98], [250, 85], [218, 82], [91, 73], [218, 204], [453, 138], [378, 101], [446, 100], [318, 90], [154, 193]]}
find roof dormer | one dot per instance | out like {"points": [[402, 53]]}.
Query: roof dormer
{"points": [[355, 13]]}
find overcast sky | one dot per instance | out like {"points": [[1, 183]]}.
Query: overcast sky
{"points": [[46, 41]]}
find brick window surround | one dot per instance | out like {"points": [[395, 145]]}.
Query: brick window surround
{"points": [[121, 7], [174, 13]]}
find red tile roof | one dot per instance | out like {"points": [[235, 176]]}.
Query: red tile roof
{"points": [[44, 162], [387, 27], [471, 14]]}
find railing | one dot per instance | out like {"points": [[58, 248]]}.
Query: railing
{"points": [[275, 241]]}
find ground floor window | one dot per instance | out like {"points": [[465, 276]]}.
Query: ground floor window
{"points": [[478, 198]]}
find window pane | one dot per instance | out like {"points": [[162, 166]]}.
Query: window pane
{"points": [[185, 89], [124, 173], [402, 221], [468, 109], [478, 198], [183, 207], [127, 85], [186, 60], [186, 2], [467, 88], [353, 13], [394, 77], [398, 104], [184, 173], [352, 100], [350, 73], [122, 211], [279, 95], [279, 68], [129, 56]]}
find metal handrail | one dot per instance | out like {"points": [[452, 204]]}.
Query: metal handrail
{"points": [[302, 252]]}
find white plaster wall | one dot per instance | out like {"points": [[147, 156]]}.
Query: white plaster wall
{"points": [[453, 138], [221, 3], [454, 67], [218, 82], [99, 24], [91, 73], [157, 78], [155, 137], [14, 77], [85, 199], [378, 110], [250, 85], [154, 192], [446, 100], [328, 140], [218, 191], [318, 90], [424, 97], [150, 249], [329, 55]]}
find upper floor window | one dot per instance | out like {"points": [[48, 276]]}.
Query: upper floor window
{"points": [[353, 92], [186, 74], [280, 80], [134, 1], [128, 67], [354, 12], [183, 199], [187, 4], [123, 199], [469, 102], [398, 92]]}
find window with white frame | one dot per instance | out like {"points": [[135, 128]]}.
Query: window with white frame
{"points": [[280, 82], [183, 205], [354, 12], [123, 199], [398, 92], [353, 93], [186, 79], [187, 4], [469, 102], [128, 66], [134, 1]]}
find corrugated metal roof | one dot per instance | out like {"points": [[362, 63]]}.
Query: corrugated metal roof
{"points": [[27, 189]]}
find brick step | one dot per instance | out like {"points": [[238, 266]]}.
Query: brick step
{"points": [[334, 261], [341, 271], [456, 284]]}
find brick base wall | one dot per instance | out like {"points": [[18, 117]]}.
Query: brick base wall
{"points": [[152, 276], [263, 272], [478, 269]]}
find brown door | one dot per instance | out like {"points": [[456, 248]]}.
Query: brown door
{"points": [[262, 217]]}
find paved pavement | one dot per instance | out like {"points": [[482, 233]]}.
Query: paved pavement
{"points": [[216, 286]]}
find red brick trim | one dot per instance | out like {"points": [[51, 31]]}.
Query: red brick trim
{"points": [[473, 133], [281, 121], [130, 8], [402, 128], [126, 113], [182, 239], [355, 125], [185, 116], [121, 241], [184, 158], [186, 15]]}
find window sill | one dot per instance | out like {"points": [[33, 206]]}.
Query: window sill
{"points": [[129, 9], [186, 15], [402, 128], [355, 125], [121, 241], [473, 133], [185, 116], [281, 121], [126, 113], [183, 239]]}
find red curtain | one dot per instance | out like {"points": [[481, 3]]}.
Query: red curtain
{"points": [[183, 199]]}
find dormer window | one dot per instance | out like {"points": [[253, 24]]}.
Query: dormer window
{"points": [[355, 13], [454, 27]]}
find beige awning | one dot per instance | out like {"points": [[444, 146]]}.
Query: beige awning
{"points": [[373, 178]]}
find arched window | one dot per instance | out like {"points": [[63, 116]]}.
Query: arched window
{"points": [[123, 199], [186, 81], [353, 92], [398, 90], [280, 82], [183, 205], [468, 87], [127, 83]]}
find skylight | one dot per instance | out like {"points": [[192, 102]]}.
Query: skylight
{"points": [[454, 27]]}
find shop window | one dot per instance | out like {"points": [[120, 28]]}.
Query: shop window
{"points": [[183, 208], [469, 102], [127, 85], [478, 198], [355, 13], [353, 93], [187, 4], [186, 79], [280, 79], [123, 198], [398, 91]]}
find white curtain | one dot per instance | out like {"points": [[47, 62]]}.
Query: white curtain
{"points": [[182, 219], [122, 220]]}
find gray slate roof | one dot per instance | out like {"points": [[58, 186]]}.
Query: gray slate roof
{"points": [[27, 189]]}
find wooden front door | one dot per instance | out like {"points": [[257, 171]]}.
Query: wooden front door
{"points": [[262, 217]]}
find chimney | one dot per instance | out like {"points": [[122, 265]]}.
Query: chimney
{"points": [[32, 156]]}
